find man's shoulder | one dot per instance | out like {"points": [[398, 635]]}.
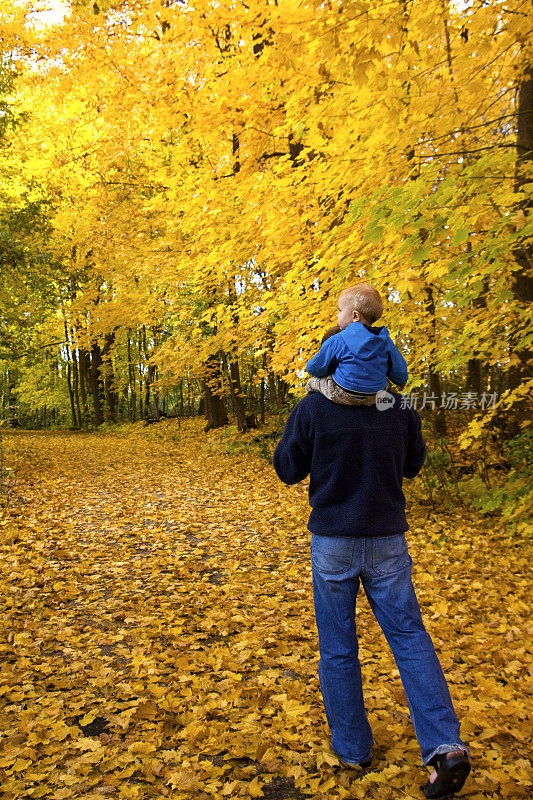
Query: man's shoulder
{"points": [[390, 405], [308, 404], [313, 407]]}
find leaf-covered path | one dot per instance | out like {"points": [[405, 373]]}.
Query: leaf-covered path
{"points": [[158, 637]]}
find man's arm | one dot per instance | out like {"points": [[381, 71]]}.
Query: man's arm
{"points": [[397, 371], [416, 447], [325, 360], [292, 457]]}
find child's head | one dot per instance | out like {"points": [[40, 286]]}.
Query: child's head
{"points": [[360, 303]]}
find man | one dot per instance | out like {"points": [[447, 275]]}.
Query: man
{"points": [[357, 457]]}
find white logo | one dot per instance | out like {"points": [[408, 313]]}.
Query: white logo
{"points": [[384, 400]]}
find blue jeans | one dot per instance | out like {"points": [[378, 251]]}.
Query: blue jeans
{"points": [[383, 565]]}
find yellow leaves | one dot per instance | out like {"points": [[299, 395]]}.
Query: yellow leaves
{"points": [[21, 764], [87, 743], [128, 135], [184, 780], [254, 789], [131, 792], [192, 633], [60, 731], [291, 707], [327, 758], [141, 747]]}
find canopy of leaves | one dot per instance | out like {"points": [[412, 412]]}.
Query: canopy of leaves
{"points": [[225, 169]]}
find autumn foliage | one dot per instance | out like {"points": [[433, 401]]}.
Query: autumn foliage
{"points": [[158, 638], [185, 189], [198, 182]]}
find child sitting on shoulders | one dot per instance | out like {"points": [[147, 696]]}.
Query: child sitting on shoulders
{"points": [[356, 359]]}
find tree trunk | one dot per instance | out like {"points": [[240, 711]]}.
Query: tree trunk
{"points": [[84, 366], [71, 394], [141, 408], [523, 281], [474, 381], [131, 381], [473, 378], [434, 377], [235, 393], [97, 385], [152, 372], [215, 409], [283, 388], [69, 377], [76, 384], [111, 393], [262, 402], [149, 379], [263, 392]]}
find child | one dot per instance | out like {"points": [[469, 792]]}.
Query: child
{"points": [[356, 361]]}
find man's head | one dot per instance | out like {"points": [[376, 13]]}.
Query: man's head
{"points": [[359, 303]]}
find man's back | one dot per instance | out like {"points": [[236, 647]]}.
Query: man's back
{"points": [[357, 457]]}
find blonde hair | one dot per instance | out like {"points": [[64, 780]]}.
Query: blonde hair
{"points": [[365, 299]]}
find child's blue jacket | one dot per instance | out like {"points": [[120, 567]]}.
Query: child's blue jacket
{"points": [[360, 358]]}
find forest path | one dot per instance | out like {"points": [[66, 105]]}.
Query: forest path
{"points": [[160, 640]]}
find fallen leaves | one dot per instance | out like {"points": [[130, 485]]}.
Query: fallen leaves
{"points": [[159, 638]]}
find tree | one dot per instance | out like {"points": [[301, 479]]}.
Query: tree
{"points": [[223, 171]]}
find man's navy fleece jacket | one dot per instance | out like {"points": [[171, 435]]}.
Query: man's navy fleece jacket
{"points": [[357, 457]]}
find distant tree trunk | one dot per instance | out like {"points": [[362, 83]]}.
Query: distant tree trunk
{"points": [[215, 409], [84, 366], [152, 373], [434, 377], [473, 378], [181, 397], [262, 402], [71, 394], [141, 409], [252, 373], [235, 393], [111, 393], [69, 378], [76, 384], [283, 388], [97, 384], [263, 392], [523, 281], [155, 378], [272, 391], [149, 379], [131, 380], [147, 384]]}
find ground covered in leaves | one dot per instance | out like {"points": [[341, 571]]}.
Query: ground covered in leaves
{"points": [[158, 637]]}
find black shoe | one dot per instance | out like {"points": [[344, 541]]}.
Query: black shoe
{"points": [[451, 774]]}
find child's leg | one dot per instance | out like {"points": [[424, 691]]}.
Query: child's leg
{"points": [[337, 394], [322, 385]]}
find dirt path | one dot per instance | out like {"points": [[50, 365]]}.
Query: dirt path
{"points": [[159, 638]]}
